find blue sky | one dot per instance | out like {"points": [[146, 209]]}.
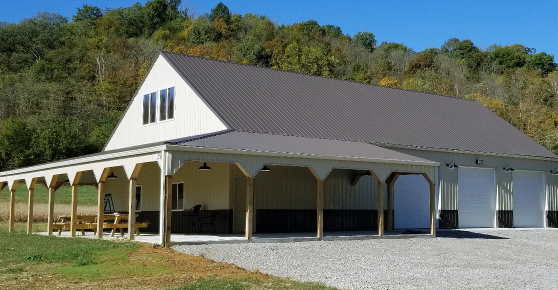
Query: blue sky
{"points": [[417, 24]]}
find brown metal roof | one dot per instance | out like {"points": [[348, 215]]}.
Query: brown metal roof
{"points": [[255, 99], [299, 146]]}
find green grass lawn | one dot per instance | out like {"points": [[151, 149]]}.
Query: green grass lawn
{"points": [[30, 261], [87, 195]]}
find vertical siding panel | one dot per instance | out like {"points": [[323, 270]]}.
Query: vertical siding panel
{"points": [[149, 179], [210, 188]]}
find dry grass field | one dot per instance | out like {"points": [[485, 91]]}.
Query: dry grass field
{"points": [[86, 203]]}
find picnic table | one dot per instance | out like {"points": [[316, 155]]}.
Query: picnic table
{"points": [[112, 221]]}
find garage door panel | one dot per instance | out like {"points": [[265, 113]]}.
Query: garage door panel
{"points": [[411, 202], [477, 198], [528, 199]]}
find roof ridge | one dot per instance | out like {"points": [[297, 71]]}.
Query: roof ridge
{"points": [[305, 74]]}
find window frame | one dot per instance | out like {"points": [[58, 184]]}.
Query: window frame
{"points": [[175, 206], [170, 107], [148, 97]]}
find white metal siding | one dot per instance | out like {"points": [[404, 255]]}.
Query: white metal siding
{"points": [[150, 180], [191, 117], [285, 187], [477, 198], [340, 194], [210, 188], [528, 199], [411, 202]]}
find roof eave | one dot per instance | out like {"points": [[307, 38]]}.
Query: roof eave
{"points": [[299, 155]]}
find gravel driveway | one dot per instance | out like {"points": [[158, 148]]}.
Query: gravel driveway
{"points": [[488, 259]]}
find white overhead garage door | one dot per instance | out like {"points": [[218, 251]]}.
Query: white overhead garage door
{"points": [[477, 198], [528, 199], [411, 202]]}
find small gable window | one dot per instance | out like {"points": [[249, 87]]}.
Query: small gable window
{"points": [[166, 104], [149, 108]]}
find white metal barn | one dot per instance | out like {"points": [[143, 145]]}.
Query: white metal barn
{"points": [[269, 151]]}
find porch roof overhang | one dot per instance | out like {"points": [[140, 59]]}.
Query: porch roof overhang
{"points": [[292, 146], [221, 146]]}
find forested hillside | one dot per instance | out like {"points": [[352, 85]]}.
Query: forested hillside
{"points": [[64, 83]]}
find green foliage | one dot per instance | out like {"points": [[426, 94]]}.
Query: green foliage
{"points": [[220, 11], [88, 13], [366, 39], [202, 32], [15, 143], [332, 30], [541, 61]]}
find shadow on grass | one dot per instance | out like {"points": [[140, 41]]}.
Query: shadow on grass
{"points": [[462, 234]]}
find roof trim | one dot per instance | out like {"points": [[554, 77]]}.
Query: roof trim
{"points": [[102, 156], [297, 155], [459, 151]]}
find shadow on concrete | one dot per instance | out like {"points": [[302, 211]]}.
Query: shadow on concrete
{"points": [[463, 234]]}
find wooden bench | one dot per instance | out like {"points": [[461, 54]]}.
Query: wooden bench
{"points": [[89, 224]]}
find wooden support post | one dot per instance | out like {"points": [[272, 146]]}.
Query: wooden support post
{"points": [[432, 209], [12, 208], [100, 208], [73, 220], [30, 215], [50, 218], [320, 208], [132, 209], [249, 207], [168, 210], [380, 209]]}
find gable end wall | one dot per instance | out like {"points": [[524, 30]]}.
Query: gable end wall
{"points": [[192, 116]]}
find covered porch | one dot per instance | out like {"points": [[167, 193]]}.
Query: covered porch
{"points": [[273, 187]]}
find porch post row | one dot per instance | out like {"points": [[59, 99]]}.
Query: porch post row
{"points": [[249, 207], [132, 209], [100, 209], [320, 207], [30, 214], [168, 211]]}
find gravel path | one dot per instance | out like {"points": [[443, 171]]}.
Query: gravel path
{"points": [[488, 259]]}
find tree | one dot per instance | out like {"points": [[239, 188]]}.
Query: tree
{"points": [[366, 39], [332, 30], [458, 49], [88, 13], [509, 56], [202, 32], [220, 11], [15, 143], [541, 61]]}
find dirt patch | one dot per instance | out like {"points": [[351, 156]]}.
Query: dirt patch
{"points": [[180, 269]]}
